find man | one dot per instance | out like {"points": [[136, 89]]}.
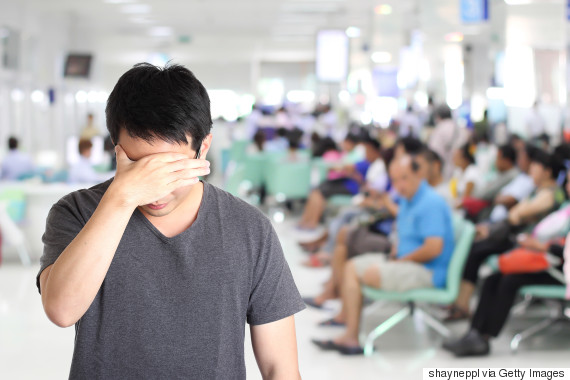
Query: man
{"points": [[507, 171], [518, 189], [16, 163], [500, 237], [446, 137], [160, 271], [419, 259], [431, 168], [82, 171]]}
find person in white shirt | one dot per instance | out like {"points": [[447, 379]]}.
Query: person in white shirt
{"points": [[518, 189], [467, 175], [410, 124], [446, 137], [535, 124], [82, 171], [15, 163]]}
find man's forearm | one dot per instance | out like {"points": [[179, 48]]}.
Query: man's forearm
{"points": [[423, 254], [76, 276]]}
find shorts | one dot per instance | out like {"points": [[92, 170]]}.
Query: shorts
{"points": [[395, 276], [360, 240], [333, 187]]}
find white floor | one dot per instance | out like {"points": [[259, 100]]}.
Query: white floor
{"points": [[33, 348]]}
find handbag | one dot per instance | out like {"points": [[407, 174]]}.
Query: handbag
{"points": [[525, 260]]}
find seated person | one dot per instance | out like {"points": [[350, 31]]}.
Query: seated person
{"points": [[279, 143], [352, 178], [497, 298], [82, 171], [419, 260], [466, 175], [505, 163], [499, 237], [16, 163], [518, 189]]}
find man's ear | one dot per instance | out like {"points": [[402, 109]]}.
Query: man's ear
{"points": [[205, 146]]}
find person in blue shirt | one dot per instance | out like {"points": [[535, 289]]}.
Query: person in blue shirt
{"points": [[419, 259]]}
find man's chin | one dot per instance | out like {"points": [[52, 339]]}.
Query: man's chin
{"points": [[157, 213]]}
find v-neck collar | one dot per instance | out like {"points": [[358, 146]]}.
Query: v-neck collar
{"points": [[181, 235]]}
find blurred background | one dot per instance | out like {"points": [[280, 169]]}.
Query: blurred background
{"points": [[295, 86]]}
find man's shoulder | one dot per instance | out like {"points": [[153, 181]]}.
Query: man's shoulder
{"points": [[233, 208], [85, 198], [433, 199]]}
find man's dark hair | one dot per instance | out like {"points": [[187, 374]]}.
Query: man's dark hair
{"points": [[353, 138], [12, 143], [466, 153], [549, 161], [84, 145], [508, 152], [375, 144], [282, 132], [431, 156], [411, 145], [166, 103], [443, 112]]}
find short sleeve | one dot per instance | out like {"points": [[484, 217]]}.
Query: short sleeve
{"points": [[274, 294], [62, 225], [433, 222]]}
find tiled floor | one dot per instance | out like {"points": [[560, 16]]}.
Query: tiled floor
{"points": [[33, 348]]}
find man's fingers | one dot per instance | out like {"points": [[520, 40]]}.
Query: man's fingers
{"points": [[187, 164]]}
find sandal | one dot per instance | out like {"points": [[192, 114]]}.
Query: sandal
{"points": [[456, 314], [332, 322]]}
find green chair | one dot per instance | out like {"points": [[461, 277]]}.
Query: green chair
{"points": [[15, 200], [340, 200], [236, 184], [238, 150], [551, 292], [255, 168], [287, 180], [464, 233]]}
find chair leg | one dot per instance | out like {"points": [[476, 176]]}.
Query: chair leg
{"points": [[522, 306], [533, 330], [433, 323], [24, 255], [384, 327]]}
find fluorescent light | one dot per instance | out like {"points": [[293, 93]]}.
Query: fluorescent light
{"points": [[381, 57], [352, 32], [37, 96], [300, 96], [17, 95], [344, 96], [136, 8], [497, 93], [81, 96], [517, 2], [92, 96], [383, 9], [161, 31]]}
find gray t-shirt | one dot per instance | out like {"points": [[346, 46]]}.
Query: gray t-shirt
{"points": [[176, 308]]}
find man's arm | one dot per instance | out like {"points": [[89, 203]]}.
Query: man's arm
{"points": [[506, 200], [69, 286], [275, 348], [429, 250], [525, 210]]}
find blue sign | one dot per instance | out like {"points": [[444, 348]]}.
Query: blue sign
{"points": [[474, 11]]}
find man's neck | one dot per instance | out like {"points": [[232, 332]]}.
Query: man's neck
{"points": [[436, 181]]}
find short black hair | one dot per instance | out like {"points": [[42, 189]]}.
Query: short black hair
{"points": [[411, 145], [549, 161], [375, 144], [352, 138], [152, 102], [466, 153], [12, 143], [508, 152], [443, 112], [282, 132], [431, 156]]}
